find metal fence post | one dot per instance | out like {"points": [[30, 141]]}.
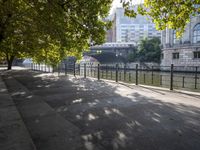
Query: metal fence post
{"points": [[106, 71], [49, 68], [44, 68], [57, 69], [152, 75], [160, 79], [171, 77], [79, 68], [116, 74], [74, 68], [65, 69], [98, 71], [111, 74], [125, 72], [195, 83], [84, 70], [136, 74], [91, 70], [183, 82]]}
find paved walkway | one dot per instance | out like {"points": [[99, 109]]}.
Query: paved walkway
{"points": [[13, 133], [85, 114]]}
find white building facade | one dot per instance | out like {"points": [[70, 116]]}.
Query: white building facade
{"points": [[133, 29]]}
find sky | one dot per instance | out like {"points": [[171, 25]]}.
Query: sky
{"points": [[116, 3]]}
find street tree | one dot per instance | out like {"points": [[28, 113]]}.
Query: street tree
{"points": [[149, 50], [28, 27]]}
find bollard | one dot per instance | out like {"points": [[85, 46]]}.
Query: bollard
{"points": [[171, 77], [144, 78]]}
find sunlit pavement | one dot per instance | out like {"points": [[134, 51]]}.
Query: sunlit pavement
{"points": [[75, 113]]}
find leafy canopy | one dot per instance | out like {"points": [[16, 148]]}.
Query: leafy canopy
{"points": [[30, 27], [173, 14], [148, 51]]}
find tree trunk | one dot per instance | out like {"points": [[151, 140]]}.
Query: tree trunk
{"points": [[10, 61]]}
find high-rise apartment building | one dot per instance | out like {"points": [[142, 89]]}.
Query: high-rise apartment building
{"points": [[128, 29]]}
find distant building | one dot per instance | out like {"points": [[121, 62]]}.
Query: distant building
{"points": [[118, 49], [184, 51], [126, 29], [102, 58], [89, 62]]}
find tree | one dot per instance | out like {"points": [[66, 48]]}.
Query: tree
{"points": [[132, 56], [174, 14], [28, 27], [149, 50]]}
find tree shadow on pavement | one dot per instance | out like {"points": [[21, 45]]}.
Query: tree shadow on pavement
{"points": [[111, 120]]}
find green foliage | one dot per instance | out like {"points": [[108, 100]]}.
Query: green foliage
{"points": [[54, 27], [173, 14], [148, 51], [133, 55]]}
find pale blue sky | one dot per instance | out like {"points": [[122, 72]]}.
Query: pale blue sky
{"points": [[116, 3]]}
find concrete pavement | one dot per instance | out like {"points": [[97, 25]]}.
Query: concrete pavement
{"points": [[13, 133], [72, 113]]}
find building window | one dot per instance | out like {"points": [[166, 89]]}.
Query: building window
{"points": [[196, 54], [162, 56], [175, 55], [174, 36], [196, 34]]}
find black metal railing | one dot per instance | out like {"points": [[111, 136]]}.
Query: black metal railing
{"points": [[172, 77]]}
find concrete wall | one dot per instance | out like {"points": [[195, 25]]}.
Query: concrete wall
{"points": [[186, 57]]}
